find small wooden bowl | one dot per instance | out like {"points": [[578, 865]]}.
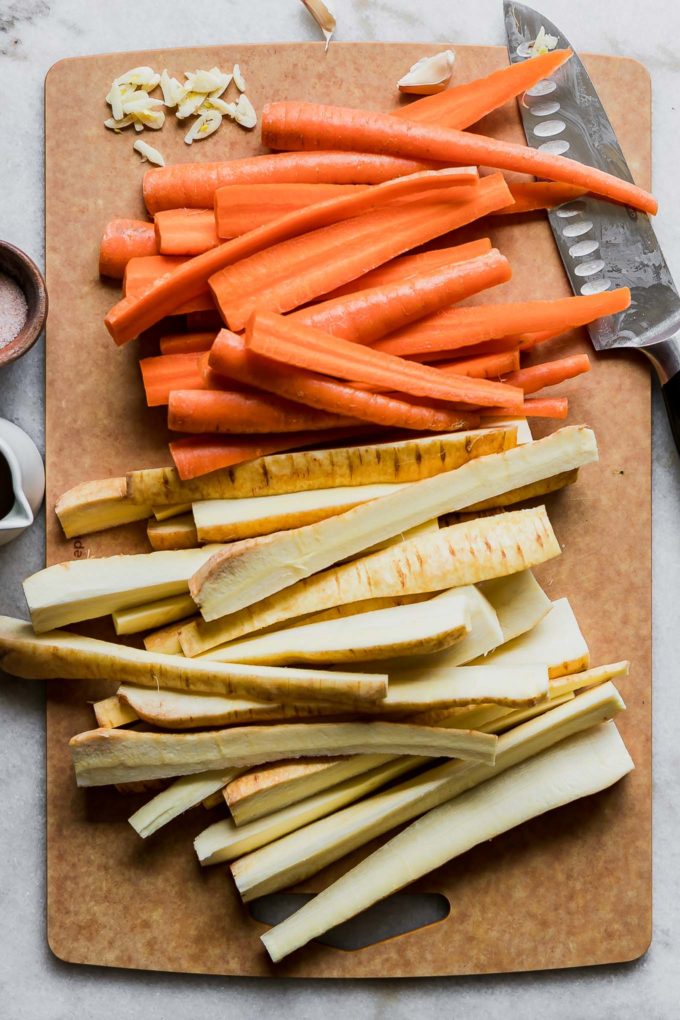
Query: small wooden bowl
{"points": [[23, 270]]}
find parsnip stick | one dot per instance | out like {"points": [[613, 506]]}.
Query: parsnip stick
{"points": [[175, 533], [62, 655], [153, 614], [111, 712], [588, 678], [459, 555], [115, 756], [303, 853], [93, 506], [166, 511], [519, 601], [578, 767], [405, 461], [183, 794], [556, 641], [233, 579]]}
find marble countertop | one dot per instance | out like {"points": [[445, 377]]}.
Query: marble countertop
{"points": [[33, 984]]}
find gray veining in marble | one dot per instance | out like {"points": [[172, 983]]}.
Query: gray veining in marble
{"points": [[34, 985]]}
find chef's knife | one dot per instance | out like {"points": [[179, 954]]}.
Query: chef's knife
{"points": [[602, 245]]}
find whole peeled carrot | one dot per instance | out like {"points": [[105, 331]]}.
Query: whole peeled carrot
{"points": [[314, 126], [462, 326], [247, 412], [465, 104], [366, 315], [408, 265], [294, 272], [185, 231], [279, 339], [487, 366], [198, 455], [193, 185], [123, 240], [132, 316], [230, 357], [550, 373], [533, 195]]}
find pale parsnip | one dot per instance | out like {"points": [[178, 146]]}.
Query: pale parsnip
{"points": [[519, 601], [110, 712], [93, 506], [174, 533], [179, 797], [153, 614], [588, 678], [578, 767], [117, 756], [405, 461], [233, 579], [62, 655], [556, 641], [303, 853]]}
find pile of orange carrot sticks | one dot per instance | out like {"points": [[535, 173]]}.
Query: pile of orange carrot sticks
{"points": [[318, 315]]}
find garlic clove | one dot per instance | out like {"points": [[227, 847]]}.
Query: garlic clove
{"points": [[115, 100], [244, 114], [543, 42], [239, 80], [117, 125], [323, 16], [173, 91], [429, 75], [154, 119], [203, 126], [147, 151], [190, 104], [140, 77]]}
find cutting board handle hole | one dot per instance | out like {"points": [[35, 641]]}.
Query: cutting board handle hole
{"points": [[397, 915]]}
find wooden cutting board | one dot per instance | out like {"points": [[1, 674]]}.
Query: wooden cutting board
{"points": [[569, 889]]}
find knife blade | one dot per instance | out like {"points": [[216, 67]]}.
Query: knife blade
{"points": [[602, 245]]}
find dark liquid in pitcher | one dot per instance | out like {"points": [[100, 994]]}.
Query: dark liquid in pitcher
{"points": [[6, 488]]}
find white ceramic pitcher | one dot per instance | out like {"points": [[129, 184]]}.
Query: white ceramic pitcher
{"points": [[27, 475]]}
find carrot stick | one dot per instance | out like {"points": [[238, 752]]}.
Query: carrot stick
{"points": [[534, 407], [313, 126], [243, 207], [500, 346], [150, 271], [230, 357], [462, 326], [201, 322], [294, 272], [193, 185], [487, 366], [409, 265], [123, 240], [367, 315], [229, 411], [185, 231], [198, 455], [169, 372], [465, 104], [280, 339], [550, 373], [187, 343], [532, 195], [129, 318]]}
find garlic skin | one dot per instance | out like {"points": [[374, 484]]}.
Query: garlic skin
{"points": [[428, 75]]}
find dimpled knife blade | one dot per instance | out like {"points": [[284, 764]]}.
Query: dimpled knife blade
{"points": [[602, 245]]}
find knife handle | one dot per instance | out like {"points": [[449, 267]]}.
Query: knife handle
{"points": [[665, 356]]}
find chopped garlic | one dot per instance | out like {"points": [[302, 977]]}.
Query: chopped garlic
{"points": [[118, 125], [139, 101], [115, 100], [226, 80], [203, 126], [543, 43], [142, 77], [203, 81], [213, 103], [138, 125], [239, 80], [147, 151], [429, 75], [323, 16], [154, 119], [244, 113], [190, 104], [173, 91]]}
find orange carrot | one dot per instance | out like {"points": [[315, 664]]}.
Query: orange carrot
{"points": [[550, 373], [500, 346], [201, 322], [187, 343], [294, 272], [487, 366], [280, 339], [533, 195], [462, 326], [367, 315], [534, 407], [123, 240], [185, 231], [150, 271], [242, 207], [198, 455], [311, 126], [465, 104], [237, 411], [230, 357], [193, 185], [129, 318], [169, 372], [409, 265]]}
